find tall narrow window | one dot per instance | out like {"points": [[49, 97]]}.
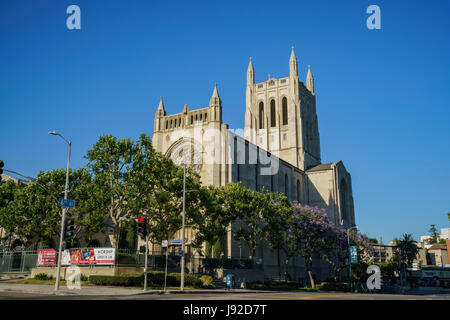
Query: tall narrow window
{"points": [[272, 113], [286, 185], [261, 115], [298, 191], [343, 195], [285, 111]]}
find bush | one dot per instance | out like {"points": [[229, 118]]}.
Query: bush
{"points": [[273, 285], [84, 278], [189, 280], [334, 286], [154, 278], [130, 280], [207, 281], [43, 276]]}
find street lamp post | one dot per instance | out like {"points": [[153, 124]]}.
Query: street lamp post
{"points": [[63, 217], [349, 256], [183, 262], [182, 232]]}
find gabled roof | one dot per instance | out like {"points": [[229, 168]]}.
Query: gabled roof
{"points": [[438, 246], [320, 167]]}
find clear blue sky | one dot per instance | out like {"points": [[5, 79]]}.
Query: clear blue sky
{"points": [[382, 95]]}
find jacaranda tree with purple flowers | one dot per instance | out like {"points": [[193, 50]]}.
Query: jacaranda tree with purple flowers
{"points": [[336, 252], [314, 231]]}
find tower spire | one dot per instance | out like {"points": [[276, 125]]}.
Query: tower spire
{"points": [[216, 105], [161, 111], [293, 67], [310, 80], [215, 99], [250, 73]]}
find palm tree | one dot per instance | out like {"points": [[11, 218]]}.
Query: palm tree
{"points": [[408, 248]]}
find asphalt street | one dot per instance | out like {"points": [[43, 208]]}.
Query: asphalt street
{"points": [[226, 296]]}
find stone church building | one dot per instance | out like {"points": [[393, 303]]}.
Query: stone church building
{"points": [[278, 150]]}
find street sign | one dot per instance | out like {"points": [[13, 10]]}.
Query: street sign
{"points": [[164, 243], [66, 203], [353, 254], [175, 241]]}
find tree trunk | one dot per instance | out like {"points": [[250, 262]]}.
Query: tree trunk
{"points": [[308, 263], [279, 263], [286, 266]]}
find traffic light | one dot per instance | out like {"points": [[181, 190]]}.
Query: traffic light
{"points": [[1, 169], [142, 226], [69, 229]]}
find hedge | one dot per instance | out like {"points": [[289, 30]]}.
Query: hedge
{"points": [[334, 286], [130, 280], [273, 285], [155, 278]]}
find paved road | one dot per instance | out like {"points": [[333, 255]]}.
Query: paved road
{"points": [[226, 296]]}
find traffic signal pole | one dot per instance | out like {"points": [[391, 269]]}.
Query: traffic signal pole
{"points": [[146, 260]]}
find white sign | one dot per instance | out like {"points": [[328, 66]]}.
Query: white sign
{"points": [[164, 243]]}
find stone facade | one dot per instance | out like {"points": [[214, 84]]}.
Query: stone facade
{"points": [[280, 152]]}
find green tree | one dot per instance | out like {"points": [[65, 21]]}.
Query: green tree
{"points": [[158, 192], [433, 234], [32, 210], [110, 160], [408, 249]]}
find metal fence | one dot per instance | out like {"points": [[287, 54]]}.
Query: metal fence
{"points": [[194, 264], [17, 261], [25, 261]]}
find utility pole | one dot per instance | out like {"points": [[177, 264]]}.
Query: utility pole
{"points": [[146, 260], [182, 232], [63, 217]]}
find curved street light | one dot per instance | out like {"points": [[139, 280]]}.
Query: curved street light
{"points": [[63, 217]]}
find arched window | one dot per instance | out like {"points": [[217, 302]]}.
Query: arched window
{"points": [[272, 113], [343, 194], [285, 111], [286, 185], [298, 191], [261, 115], [167, 124]]}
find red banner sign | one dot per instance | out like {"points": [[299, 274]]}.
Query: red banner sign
{"points": [[46, 257]]}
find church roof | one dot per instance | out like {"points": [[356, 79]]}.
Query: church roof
{"points": [[438, 246], [324, 166]]}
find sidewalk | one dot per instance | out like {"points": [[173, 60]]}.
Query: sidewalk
{"points": [[103, 290]]}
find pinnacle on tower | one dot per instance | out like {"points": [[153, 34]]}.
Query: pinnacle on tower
{"points": [[310, 81], [293, 64], [215, 99], [250, 73], [161, 111]]}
